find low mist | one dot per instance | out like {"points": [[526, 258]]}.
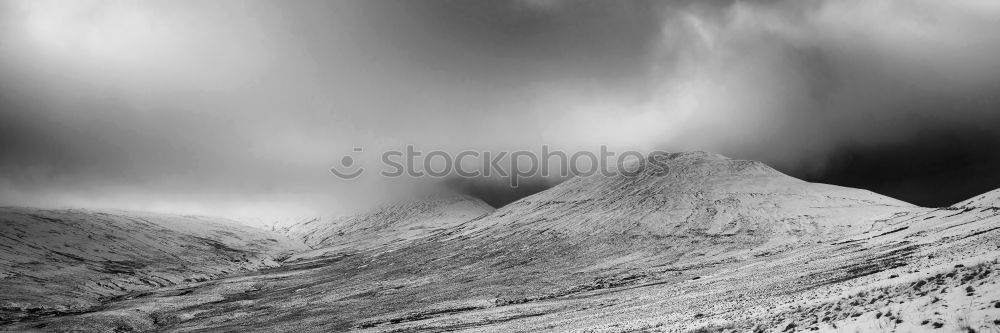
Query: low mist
{"points": [[240, 108]]}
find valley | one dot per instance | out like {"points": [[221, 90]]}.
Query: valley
{"points": [[715, 245]]}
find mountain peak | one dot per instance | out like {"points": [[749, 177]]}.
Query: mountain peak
{"points": [[686, 167], [697, 154], [697, 194]]}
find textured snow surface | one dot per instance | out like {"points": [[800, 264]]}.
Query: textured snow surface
{"points": [[713, 245], [391, 226], [71, 259]]}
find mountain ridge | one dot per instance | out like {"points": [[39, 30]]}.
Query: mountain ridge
{"points": [[699, 182]]}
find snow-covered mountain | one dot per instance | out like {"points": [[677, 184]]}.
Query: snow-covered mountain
{"points": [[395, 224], [712, 245], [705, 204], [55, 261], [701, 194]]}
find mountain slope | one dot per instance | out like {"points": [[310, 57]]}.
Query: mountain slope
{"points": [[67, 260], [986, 200], [700, 192], [704, 204], [389, 225]]}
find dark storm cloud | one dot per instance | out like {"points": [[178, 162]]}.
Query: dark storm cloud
{"points": [[239, 108], [938, 167], [497, 193], [801, 84]]}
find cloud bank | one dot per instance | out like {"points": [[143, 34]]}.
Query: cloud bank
{"points": [[239, 108]]}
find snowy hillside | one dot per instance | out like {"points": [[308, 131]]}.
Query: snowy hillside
{"points": [[393, 225], [54, 261], [701, 194], [713, 245]]}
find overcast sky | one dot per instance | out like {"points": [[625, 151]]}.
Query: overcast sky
{"points": [[239, 108]]}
